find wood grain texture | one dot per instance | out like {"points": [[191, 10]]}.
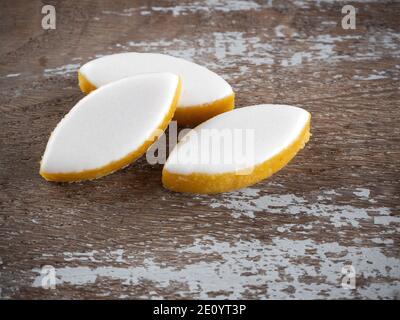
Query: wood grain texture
{"points": [[124, 236]]}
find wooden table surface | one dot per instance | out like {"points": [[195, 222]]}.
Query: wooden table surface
{"points": [[124, 236]]}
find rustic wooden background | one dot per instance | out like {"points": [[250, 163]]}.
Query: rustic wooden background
{"points": [[124, 236]]}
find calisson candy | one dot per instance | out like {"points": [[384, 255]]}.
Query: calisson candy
{"points": [[111, 127], [204, 93], [236, 149]]}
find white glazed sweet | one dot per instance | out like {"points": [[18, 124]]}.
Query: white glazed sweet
{"points": [[199, 85], [236, 148], [102, 132], [275, 127], [204, 94]]}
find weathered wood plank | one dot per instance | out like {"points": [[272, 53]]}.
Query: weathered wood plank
{"points": [[124, 236]]}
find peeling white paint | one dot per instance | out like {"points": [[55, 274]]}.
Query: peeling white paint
{"points": [[249, 202], [279, 31], [382, 241], [190, 8], [62, 70], [386, 220], [12, 75], [371, 77], [362, 192], [312, 269], [238, 50], [281, 266]]}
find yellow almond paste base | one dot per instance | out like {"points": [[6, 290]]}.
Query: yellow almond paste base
{"points": [[185, 116], [121, 163], [215, 183], [84, 84], [192, 116]]}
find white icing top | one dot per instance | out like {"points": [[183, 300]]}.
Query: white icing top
{"points": [[237, 140], [199, 85], [109, 123]]}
